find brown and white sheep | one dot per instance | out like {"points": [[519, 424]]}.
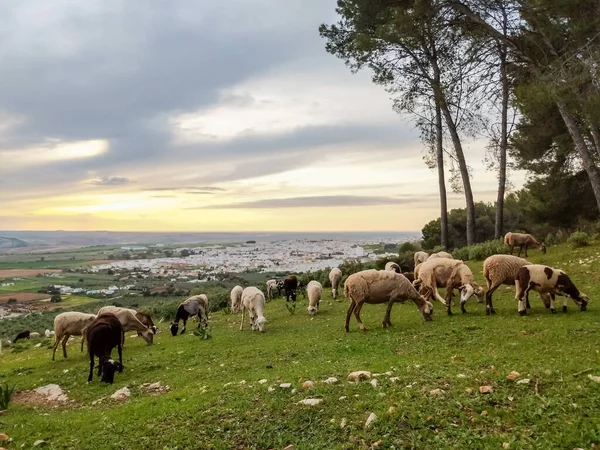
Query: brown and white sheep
{"points": [[503, 269], [335, 277], [420, 257], [523, 241], [381, 286], [69, 324], [547, 280], [102, 335], [236, 297], [451, 274], [394, 267], [253, 300], [129, 321], [314, 290], [194, 306]]}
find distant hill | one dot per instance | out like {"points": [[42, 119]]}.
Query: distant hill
{"points": [[12, 242]]}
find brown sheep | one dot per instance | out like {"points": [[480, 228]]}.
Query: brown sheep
{"points": [[523, 241]]}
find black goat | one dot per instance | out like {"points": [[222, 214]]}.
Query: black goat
{"points": [[102, 336], [22, 335]]}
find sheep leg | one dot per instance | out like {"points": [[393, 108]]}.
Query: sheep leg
{"points": [[552, 298], [120, 350], [91, 375], [184, 324], [57, 339], [64, 344], [349, 314], [489, 308], [357, 315], [388, 311], [242, 322], [448, 301]]}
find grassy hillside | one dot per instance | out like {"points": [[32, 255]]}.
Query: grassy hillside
{"points": [[216, 400]]}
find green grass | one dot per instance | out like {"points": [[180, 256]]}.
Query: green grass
{"points": [[203, 410]]}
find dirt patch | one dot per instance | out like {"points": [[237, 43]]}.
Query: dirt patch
{"points": [[11, 273], [34, 398], [23, 297]]}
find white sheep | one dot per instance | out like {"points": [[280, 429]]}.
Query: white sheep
{"points": [[34, 335], [451, 274], [503, 269], [314, 290], [420, 257], [547, 280], [68, 324], [440, 255], [236, 298], [272, 288], [253, 300], [129, 321], [335, 277], [391, 265], [381, 286]]}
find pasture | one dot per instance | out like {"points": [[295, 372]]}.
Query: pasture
{"points": [[431, 399]]}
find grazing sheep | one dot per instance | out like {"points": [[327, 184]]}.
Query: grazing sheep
{"points": [[335, 277], [420, 257], [69, 324], [523, 241], [271, 288], [440, 255], [129, 322], [193, 306], [290, 284], [253, 300], [451, 274], [314, 290], [146, 320], [48, 333], [381, 286], [503, 269], [34, 335], [102, 335], [236, 297], [23, 335], [391, 265], [547, 280]]}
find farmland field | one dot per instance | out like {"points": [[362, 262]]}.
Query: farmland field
{"points": [[427, 396]]}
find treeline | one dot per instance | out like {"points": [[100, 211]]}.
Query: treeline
{"points": [[522, 73]]}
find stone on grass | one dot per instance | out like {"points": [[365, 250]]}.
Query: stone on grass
{"points": [[294, 391], [505, 445], [285, 385], [485, 389], [308, 385], [374, 382], [461, 375], [263, 381], [393, 379], [372, 418], [3, 437], [52, 392], [121, 394], [524, 381], [343, 423], [343, 397], [469, 390], [290, 447], [359, 375], [391, 410], [594, 378], [270, 389], [39, 442], [436, 392], [331, 380], [513, 375], [310, 401]]}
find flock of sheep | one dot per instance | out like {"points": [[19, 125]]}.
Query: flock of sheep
{"points": [[106, 330]]}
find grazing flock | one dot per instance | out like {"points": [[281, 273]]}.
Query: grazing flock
{"points": [[106, 330]]}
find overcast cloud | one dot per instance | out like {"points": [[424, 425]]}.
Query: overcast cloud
{"points": [[203, 103]]}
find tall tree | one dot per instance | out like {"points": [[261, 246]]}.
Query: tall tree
{"points": [[413, 53]]}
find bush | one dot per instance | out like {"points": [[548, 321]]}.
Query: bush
{"points": [[407, 247], [5, 396], [579, 239], [550, 240]]}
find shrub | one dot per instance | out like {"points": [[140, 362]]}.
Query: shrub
{"points": [[579, 239], [5, 396], [407, 247], [550, 240]]}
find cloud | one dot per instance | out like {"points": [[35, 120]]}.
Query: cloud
{"points": [[110, 181], [314, 202]]}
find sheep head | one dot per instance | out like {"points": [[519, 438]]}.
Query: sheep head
{"points": [[148, 335], [108, 370], [466, 292], [174, 327], [426, 309], [312, 310], [583, 301], [260, 323]]}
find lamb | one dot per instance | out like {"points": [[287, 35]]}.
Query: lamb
{"points": [[193, 306], [314, 290], [381, 286], [102, 335], [420, 257], [23, 335], [290, 284], [129, 321], [391, 265], [503, 269], [451, 274], [440, 255], [69, 324], [253, 300], [335, 277], [236, 297], [547, 280], [34, 335], [523, 241], [271, 288]]}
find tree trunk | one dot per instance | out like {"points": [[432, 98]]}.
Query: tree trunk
{"points": [[439, 152], [596, 137], [584, 153], [498, 231]]}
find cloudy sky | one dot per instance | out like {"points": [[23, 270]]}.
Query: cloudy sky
{"points": [[196, 115]]}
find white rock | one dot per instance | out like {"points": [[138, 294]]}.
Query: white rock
{"points": [[343, 397], [382, 394], [461, 375], [343, 423], [389, 374], [331, 380], [310, 401], [270, 389], [39, 442], [263, 381], [66, 371], [594, 378], [52, 392], [394, 379], [294, 391], [243, 382], [38, 345], [121, 394], [436, 392], [372, 417], [374, 382], [285, 385], [524, 381], [391, 410], [308, 385], [359, 375]]}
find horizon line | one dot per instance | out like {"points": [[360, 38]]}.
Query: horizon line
{"points": [[221, 232]]}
